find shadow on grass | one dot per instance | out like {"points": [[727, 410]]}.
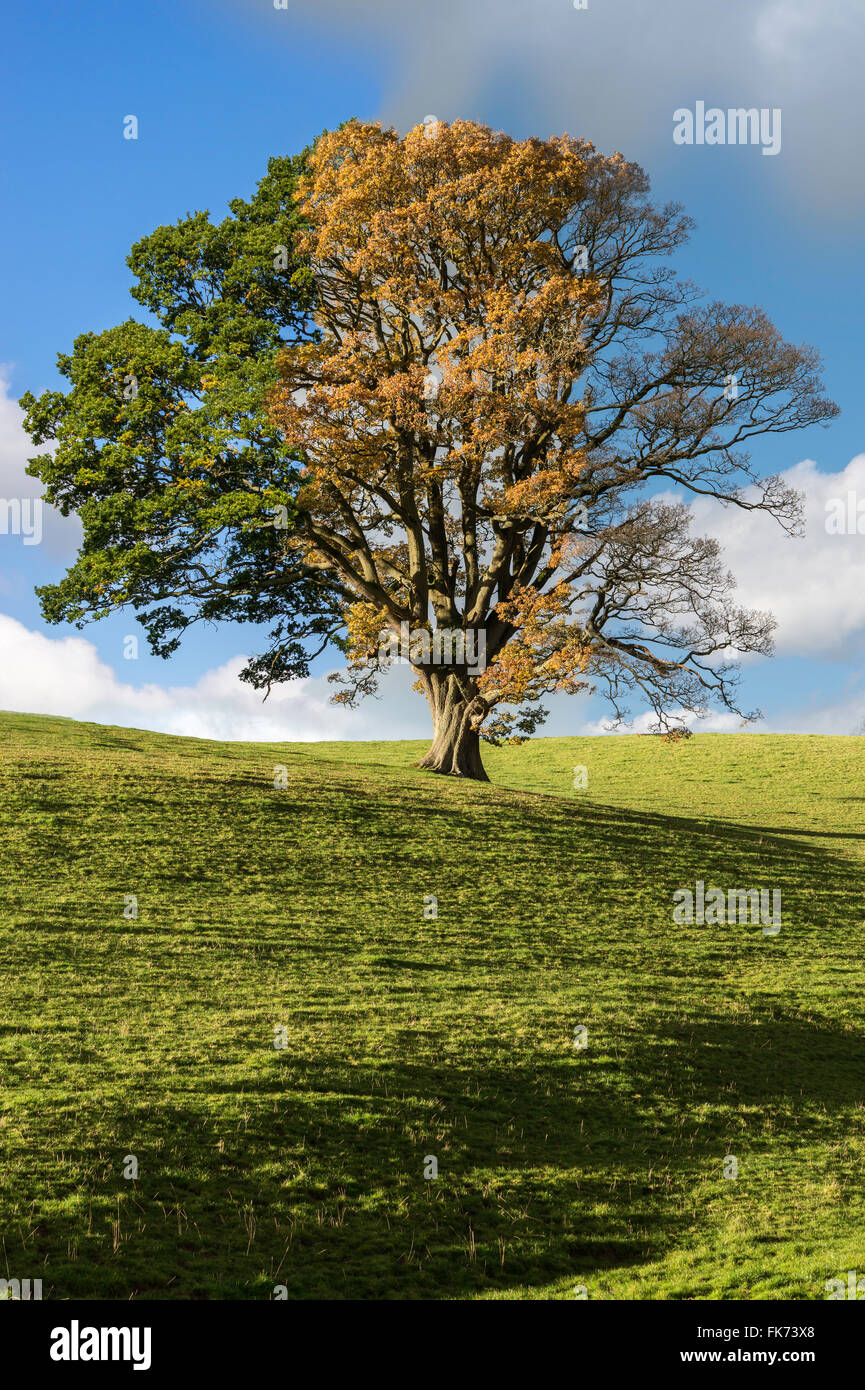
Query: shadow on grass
{"points": [[312, 1175]]}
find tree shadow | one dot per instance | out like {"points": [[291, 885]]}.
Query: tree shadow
{"points": [[310, 1174]]}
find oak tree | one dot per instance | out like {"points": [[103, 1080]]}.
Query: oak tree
{"points": [[506, 374]]}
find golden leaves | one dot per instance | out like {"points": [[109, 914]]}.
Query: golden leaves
{"points": [[440, 257]]}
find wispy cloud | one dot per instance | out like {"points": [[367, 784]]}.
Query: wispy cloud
{"points": [[615, 71]]}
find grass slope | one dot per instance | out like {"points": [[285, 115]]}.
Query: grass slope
{"points": [[408, 1037]]}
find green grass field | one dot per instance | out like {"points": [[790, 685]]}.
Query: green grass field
{"points": [[303, 908]]}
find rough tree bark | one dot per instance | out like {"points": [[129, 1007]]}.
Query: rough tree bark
{"points": [[456, 713]]}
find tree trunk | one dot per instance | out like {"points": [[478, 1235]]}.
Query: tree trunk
{"points": [[456, 745]]}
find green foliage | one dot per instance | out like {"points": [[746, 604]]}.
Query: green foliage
{"points": [[163, 446], [407, 1037]]}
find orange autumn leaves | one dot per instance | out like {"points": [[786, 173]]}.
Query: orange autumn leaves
{"points": [[432, 257], [547, 652], [437, 415]]}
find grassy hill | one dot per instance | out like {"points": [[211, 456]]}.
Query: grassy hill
{"points": [[303, 908]]}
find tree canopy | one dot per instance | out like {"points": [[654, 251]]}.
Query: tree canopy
{"points": [[163, 446]]}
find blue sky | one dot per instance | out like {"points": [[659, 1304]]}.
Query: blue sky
{"points": [[218, 87]]}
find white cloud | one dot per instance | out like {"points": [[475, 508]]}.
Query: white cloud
{"points": [[65, 676], [815, 585], [60, 535], [719, 722], [844, 716]]}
